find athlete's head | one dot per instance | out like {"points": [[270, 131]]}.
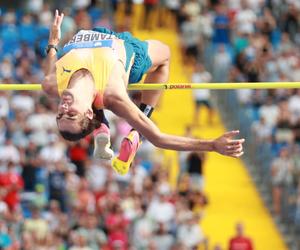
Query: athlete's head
{"points": [[75, 119]]}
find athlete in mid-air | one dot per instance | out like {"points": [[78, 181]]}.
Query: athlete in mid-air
{"points": [[93, 73]]}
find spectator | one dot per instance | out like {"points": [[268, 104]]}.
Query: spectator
{"points": [[202, 96], [290, 23], [117, 225], [6, 71], [240, 242], [79, 242], [72, 184], [184, 184], [53, 215], [283, 133], [30, 164], [25, 71], [262, 130], [85, 198], [266, 23], [221, 26], [139, 173], [143, 229], [206, 24], [97, 176], [96, 239], [83, 20], [269, 112], [57, 184], [81, 4], [293, 106], [4, 210], [36, 225], [285, 44], [78, 155], [192, 8], [190, 40], [195, 162], [5, 238], [245, 19], [45, 16], [163, 240], [34, 6], [160, 209], [281, 170], [221, 63], [189, 232], [12, 183], [23, 101], [54, 152], [9, 153]]}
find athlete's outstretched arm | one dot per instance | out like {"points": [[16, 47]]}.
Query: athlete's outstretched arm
{"points": [[122, 106], [49, 83]]}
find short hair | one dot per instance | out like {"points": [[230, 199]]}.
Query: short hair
{"points": [[87, 126]]}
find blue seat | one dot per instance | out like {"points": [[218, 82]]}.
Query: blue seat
{"points": [[10, 39], [28, 34]]}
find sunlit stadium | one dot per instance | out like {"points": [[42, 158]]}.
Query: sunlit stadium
{"points": [[83, 166]]}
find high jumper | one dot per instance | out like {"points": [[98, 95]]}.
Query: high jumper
{"points": [[93, 74]]}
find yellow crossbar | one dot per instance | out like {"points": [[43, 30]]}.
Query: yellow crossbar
{"points": [[173, 86]]}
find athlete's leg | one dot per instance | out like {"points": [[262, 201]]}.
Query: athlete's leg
{"points": [[131, 142], [159, 54], [159, 71]]}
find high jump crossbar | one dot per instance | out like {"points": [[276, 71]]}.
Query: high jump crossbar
{"points": [[174, 86]]}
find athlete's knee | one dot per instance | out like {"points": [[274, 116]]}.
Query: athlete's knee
{"points": [[164, 61], [159, 52], [166, 52]]}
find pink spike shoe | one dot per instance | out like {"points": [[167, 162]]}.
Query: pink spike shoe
{"points": [[129, 147], [102, 150]]}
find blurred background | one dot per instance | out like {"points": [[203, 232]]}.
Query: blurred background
{"points": [[54, 196]]}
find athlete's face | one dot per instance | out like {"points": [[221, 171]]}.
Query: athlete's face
{"points": [[71, 112]]}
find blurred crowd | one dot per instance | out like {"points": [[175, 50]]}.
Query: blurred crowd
{"points": [[53, 195], [249, 41], [252, 41]]}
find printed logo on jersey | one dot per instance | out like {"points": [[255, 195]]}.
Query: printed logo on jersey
{"points": [[89, 36]]}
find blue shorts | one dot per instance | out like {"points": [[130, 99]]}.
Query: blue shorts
{"points": [[136, 47]]}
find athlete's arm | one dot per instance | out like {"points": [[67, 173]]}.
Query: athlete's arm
{"points": [[49, 82], [122, 106]]}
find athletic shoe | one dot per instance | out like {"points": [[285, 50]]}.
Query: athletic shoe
{"points": [[102, 148], [129, 147]]}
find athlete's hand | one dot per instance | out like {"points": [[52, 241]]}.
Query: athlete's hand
{"points": [[226, 145], [55, 32]]}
